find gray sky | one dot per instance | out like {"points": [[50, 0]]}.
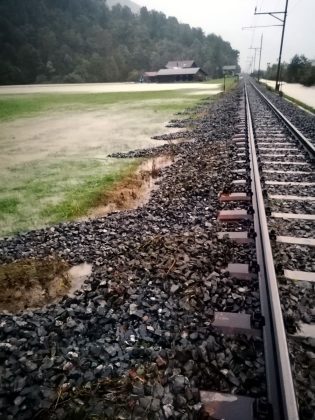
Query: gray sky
{"points": [[227, 17]]}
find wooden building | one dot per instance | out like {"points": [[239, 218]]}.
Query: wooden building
{"points": [[181, 75], [150, 76], [186, 64], [177, 71]]}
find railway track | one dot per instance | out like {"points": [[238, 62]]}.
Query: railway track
{"points": [[175, 332], [269, 205]]}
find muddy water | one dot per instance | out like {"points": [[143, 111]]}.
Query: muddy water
{"points": [[160, 162], [37, 283], [78, 274], [137, 191], [302, 93]]}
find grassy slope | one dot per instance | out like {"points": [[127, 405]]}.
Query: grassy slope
{"points": [[32, 196], [40, 193]]}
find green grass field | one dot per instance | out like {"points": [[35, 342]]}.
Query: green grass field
{"points": [[32, 196], [56, 175], [27, 105], [230, 82]]}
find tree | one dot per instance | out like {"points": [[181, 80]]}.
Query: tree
{"points": [[299, 70], [83, 40], [29, 62]]}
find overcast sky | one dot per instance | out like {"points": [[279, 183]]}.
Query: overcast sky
{"points": [[227, 17]]}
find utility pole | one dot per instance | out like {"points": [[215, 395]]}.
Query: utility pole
{"points": [[282, 36], [261, 43], [252, 65], [273, 14], [249, 62], [255, 49], [254, 27]]}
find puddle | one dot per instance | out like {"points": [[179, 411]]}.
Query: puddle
{"points": [[34, 283], [135, 191], [78, 274]]}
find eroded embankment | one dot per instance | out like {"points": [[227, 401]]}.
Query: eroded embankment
{"points": [[33, 283], [134, 190], [136, 341]]}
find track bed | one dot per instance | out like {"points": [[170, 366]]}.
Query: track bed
{"points": [[170, 323]]}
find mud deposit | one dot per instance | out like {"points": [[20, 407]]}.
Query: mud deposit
{"points": [[135, 190], [34, 283]]}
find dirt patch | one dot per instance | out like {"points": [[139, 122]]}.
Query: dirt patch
{"points": [[33, 283], [134, 191]]}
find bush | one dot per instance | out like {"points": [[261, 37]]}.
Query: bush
{"points": [[73, 78], [41, 78], [133, 76]]}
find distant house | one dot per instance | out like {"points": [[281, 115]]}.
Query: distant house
{"points": [[230, 70], [181, 75], [177, 71], [188, 64], [150, 76]]}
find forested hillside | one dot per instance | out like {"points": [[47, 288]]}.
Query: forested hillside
{"points": [[86, 41], [134, 7]]}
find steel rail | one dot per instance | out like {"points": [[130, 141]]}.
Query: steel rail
{"points": [[281, 392], [297, 133]]}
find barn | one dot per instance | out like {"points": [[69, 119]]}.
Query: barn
{"points": [[150, 76], [181, 75], [186, 64], [177, 71]]}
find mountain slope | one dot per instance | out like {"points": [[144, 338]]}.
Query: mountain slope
{"points": [[134, 7], [44, 41]]}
